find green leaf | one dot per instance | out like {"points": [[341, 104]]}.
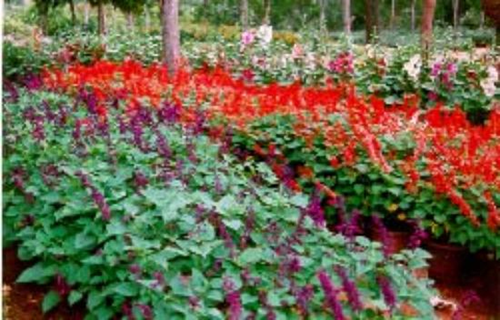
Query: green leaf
{"points": [[36, 273], [74, 297], [128, 289], [84, 240], [251, 255], [94, 299], [50, 300]]}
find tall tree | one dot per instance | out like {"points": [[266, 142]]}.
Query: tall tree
{"points": [[371, 19], [346, 14], [413, 15], [427, 20], [267, 13], [73, 11], [393, 14], [456, 4], [101, 15], [170, 34], [244, 14], [322, 15]]}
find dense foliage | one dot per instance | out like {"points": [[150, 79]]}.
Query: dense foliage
{"points": [[142, 215], [432, 165]]}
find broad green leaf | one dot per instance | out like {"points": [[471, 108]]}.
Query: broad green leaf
{"points": [[50, 300]]}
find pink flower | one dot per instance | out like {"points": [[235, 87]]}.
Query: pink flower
{"points": [[247, 38]]}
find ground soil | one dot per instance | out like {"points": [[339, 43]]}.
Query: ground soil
{"points": [[23, 301]]}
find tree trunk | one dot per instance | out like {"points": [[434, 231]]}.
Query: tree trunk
{"points": [[244, 14], [322, 16], [346, 14], [413, 16], [86, 13], [73, 12], [130, 20], [101, 19], [371, 24], [170, 34], [427, 20], [267, 15], [455, 14], [481, 22], [147, 18], [393, 14]]}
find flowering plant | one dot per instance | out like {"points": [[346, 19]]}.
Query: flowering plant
{"points": [[140, 214]]}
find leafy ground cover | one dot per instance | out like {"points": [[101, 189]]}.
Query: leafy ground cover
{"points": [[404, 163], [140, 214]]}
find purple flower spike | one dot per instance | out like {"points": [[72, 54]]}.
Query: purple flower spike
{"points": [[417, 236], [384, 235], [233, 299], [387, 291], [140, 180], [146, 311], [350, 288], [303, 296], [330, 295], [315, 212]]}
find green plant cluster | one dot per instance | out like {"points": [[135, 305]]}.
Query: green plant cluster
{"points": [[137, 215]]}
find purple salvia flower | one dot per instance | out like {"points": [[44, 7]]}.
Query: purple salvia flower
{"points": [[199, 122], [169, 113], [417, 236], [101, 203], [315, 211], [160, 279], [228, 241], [162, 146], [32, 82], [249, 226], [194, 302], [350, 288], [387, 291], [140, 180], [62, 287], [384, 235], [330, 295], [270, 315], [233, 299], [350, 228], [30, 114], [191, 151], [218, 185], [146, 311], [303, 296], [135, 269], [127, 310], [294, 265], [38, 130], [62, 115], [49, 114]]}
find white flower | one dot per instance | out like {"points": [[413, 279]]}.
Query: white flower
{"points": [[489, 87], [492, 74], [412, 67], [265, 34], [488, 84]]}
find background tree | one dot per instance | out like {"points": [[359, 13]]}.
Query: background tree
{"points": [[267, 14], [346, 13], [371, 19], [244, 14], [427, 20], [170, 34], [130, 8], [101, 15]]}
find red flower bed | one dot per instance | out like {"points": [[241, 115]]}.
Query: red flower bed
{"points": [[457, 155]]}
